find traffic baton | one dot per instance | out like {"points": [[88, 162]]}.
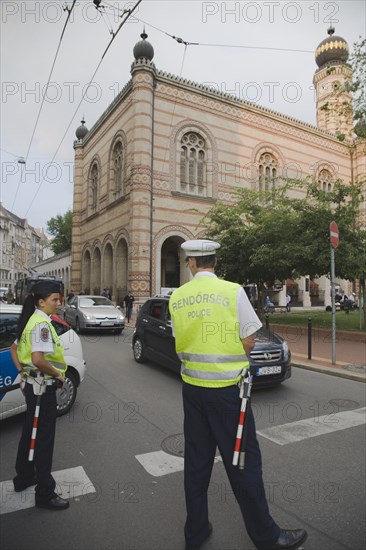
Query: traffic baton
{"points": [[249, 383], [34, 430], [245, 388]]}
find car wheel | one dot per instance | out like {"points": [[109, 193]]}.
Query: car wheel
{"points": [[138, 351], [67, 394], [118, 331]]}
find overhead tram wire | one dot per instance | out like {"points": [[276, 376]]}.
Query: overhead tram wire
{"points": [[69, 11], [128, 14], [181, 41]]}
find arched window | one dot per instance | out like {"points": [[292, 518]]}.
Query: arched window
{"points": [[93, 195], [325, 180], [267, 168], [193, 164], [117, 159]]}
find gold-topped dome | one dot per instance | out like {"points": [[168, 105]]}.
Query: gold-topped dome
{"points": [[332, 50]]}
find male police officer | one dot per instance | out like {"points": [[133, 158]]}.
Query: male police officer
{"points": [[214, 326]]}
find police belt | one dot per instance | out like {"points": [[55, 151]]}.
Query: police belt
{"points": [[31, 379]]}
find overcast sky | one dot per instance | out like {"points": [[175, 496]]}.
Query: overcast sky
{"points": [[272, 64]]}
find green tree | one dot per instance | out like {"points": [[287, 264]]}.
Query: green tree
{"points": [[358, 86], [270, 236], [355, 109], [60, 227]]}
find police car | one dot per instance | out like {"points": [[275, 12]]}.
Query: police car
{"points": [[11, 398], [270, 360]]}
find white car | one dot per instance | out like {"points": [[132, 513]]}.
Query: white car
{"points": [[94, 313], [11, 397]]}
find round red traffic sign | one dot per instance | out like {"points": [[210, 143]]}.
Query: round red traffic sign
{"points": [[334, 235]]}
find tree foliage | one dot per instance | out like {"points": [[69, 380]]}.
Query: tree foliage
{"points": [[60, 227], [355, 109], [358, 86], [284, 234]]}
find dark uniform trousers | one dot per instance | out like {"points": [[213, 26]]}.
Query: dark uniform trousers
{"points": [[41, 466], [211, 418]]}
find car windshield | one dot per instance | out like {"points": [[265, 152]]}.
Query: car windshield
{"points": [[95, 301]]}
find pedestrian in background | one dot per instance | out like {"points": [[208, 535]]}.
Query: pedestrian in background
{"points": [[129, 300], [214, 326], [288, 303], [38, 355]]}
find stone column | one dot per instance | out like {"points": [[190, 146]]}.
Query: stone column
{"points": [[143, 72]]}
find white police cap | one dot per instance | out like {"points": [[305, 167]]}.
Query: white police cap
{"points": [[200, 247]]}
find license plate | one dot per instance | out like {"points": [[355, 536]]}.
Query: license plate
{"points": [[108, 323], [262, 371]]}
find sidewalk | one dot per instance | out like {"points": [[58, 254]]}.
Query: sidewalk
{"points": [[350, 351]]}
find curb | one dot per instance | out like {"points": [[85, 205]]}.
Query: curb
{"points": [[333, 371]]}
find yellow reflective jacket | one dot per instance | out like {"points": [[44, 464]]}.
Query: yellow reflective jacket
{"points": [[24, 349], [206, 331]]}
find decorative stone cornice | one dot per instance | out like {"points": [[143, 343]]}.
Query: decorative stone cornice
{"points": [[143, 64], [332, 69], [245, 110], [115, 103]]}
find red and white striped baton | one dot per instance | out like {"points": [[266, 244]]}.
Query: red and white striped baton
{"points": [[239, 448], [34, 430]]}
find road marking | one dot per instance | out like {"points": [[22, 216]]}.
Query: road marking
{"points": [[160, 463], [70, 483], [313, 427]]}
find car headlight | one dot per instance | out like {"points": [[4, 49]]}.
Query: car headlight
{"points": [[89, 317], [285, 349]]}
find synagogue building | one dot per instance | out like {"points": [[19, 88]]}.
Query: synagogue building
{"points": [[167, 149]]}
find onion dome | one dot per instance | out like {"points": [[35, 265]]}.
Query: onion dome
{"points": [[143, 49], [333, 50], [82, 130]]}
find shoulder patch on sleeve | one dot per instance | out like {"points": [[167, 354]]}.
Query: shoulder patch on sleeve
{"points": [[45, 333]]}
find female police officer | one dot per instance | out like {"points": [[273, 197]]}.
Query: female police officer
{"points": [[38, 355]]}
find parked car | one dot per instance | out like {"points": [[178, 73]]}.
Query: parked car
{"points": [[270, 360], [11, 397], [93, 313]]}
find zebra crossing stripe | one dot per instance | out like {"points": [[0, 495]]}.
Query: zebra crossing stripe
{"points": [[313, 427], [160, 463], [70, 483]]}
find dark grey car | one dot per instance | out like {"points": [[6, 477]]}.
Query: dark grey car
{"points": [[270, 360], [87, 312]]}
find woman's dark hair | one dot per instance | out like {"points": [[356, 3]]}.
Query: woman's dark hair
{"points": [[29, 307]]}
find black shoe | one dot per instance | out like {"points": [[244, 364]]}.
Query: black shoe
{"points": [[209, 533], [55, 503], [290, 540], [23, 485]]}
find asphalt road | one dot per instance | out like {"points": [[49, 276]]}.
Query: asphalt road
{"points": [[123, 409]]}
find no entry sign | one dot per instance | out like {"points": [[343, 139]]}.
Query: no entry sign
{"points": [[334, 235]]}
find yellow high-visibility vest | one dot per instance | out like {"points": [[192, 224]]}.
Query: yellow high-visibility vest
{"points": [[24, 349], [206, 331]]}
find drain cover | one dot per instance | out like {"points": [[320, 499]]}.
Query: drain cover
{"points": [[344, 403], [356, 368], [174, 445]]}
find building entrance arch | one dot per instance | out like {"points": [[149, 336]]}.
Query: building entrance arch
{"points": [[170, 268]]}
